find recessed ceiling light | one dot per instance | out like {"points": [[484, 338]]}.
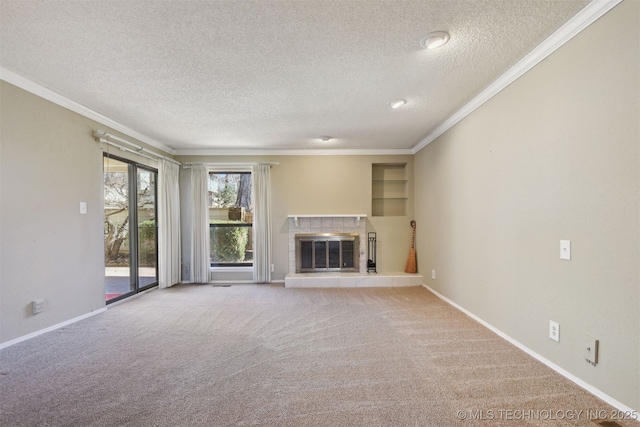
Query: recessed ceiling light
{"points": [[397, 103], [434, 40]]}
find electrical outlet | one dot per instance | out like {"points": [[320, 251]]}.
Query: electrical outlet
{"points": [[554, 330], [37, 306], [433, 274]]}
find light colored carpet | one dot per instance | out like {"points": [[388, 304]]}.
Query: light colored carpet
{"points": [[201, 355]]}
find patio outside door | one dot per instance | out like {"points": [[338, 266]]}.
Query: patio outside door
{"points": [[130, 228]]}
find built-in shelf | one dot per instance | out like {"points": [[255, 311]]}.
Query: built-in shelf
{"points": [[389, 189]]}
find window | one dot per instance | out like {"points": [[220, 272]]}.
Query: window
{"points": [[230, 219]]}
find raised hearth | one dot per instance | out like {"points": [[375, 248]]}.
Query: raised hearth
{"points": [[351, 280]]}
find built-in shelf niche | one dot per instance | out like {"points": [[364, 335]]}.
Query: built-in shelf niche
{"points": [[389, 189]]}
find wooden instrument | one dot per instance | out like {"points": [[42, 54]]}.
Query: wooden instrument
{"points": [[412, 266]]}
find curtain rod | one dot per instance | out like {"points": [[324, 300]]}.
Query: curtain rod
{"points": [[107, 138], [188, 165]]}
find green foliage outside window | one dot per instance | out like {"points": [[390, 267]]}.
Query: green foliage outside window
{"points": [[147, 232], [228, 244]]}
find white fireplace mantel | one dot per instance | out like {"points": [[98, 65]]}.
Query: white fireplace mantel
{"points": [[356, 216]]}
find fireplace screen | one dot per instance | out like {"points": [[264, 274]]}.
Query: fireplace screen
{"points": [[326, 252]]}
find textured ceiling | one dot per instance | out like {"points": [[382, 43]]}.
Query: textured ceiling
{"points": [[273, 74]]}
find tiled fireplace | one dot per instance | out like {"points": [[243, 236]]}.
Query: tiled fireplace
{"points": [[333, 225], [328, 224]]}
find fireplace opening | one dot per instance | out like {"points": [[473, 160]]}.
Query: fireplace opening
{"points": [[326, 252]]}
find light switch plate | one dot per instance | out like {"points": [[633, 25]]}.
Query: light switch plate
{"points": [[554, 330], [565, 249], [83, 208], [591, 349]]}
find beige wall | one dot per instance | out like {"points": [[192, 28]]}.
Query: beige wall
{"points": [[554, 156], [324, 185], [49, 163], [49, 251]]}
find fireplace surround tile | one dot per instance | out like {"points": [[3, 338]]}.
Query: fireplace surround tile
{"points": [[338, 223], [327, 223]]}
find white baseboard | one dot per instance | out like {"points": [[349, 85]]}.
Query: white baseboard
{"points": [[74, 320], [591, 389], [51, 328]]}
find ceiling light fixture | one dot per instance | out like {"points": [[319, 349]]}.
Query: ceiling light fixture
{"points": [[325, 138], [434, 40], [397, 103]]}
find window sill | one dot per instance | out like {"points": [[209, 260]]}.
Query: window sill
{"points": [[230, 269]]}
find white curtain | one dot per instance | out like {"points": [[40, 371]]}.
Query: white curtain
{"points": [[168, 223], [261, 223], [200, 225]]}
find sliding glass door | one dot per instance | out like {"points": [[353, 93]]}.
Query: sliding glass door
{"points": [[147, 235], [130, 228]]}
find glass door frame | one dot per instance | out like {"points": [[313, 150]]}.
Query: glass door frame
{"points": [[133, 235], [137, 168]]}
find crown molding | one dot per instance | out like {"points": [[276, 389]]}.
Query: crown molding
{"points": [[310, 152], [41, 91], [587, 16]]}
